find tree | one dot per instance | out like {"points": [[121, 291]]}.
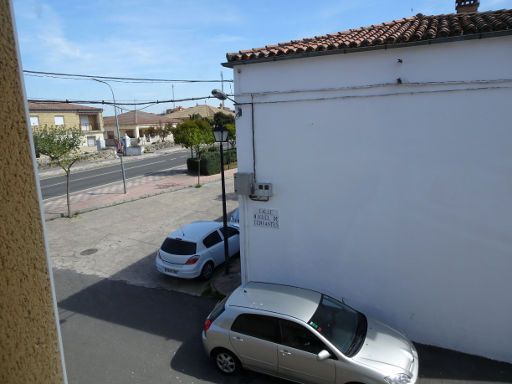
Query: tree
{"points": [[61, 144], [151, 131], [163, 130], [195, 133], [229, 123]]}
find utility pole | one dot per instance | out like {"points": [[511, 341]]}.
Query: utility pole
{"points": [[173, 102], [117, 130], [222, 88]]}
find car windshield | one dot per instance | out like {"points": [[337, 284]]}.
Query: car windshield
{"points": [[178, 247], [343, 326]]}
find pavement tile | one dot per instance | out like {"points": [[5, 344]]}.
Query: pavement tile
{"points": [[119, 242], [137, 188]]}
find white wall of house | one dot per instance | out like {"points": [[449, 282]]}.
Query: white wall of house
{"points": [[397, 198]]}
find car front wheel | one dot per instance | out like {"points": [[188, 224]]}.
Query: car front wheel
{"points": [[226, 362]]}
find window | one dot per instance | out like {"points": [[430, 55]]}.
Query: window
{"points": [[230, 231], [59, 120], [34, 120], [212, 239], [178, 247], [344, 327], [219, 308], [84, 122], [262, 327], [296, 336], [91, 141]]}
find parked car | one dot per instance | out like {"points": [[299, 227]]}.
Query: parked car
{"points": [[305, 336], [194, 250], [234, 219]]}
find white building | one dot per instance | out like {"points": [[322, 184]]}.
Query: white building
{"points": [[391, 172]]}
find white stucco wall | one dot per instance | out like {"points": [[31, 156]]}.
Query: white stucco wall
{"points": [[401, 204]]}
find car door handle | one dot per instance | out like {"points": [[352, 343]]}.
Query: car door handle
{"points": [[238, 338], [284, 352]]}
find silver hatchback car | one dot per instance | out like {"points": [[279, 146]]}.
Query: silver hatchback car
{"points": [[195, 249], [305, 336]]}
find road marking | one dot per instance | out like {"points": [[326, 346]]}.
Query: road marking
{"points": [[113, 182], [174, 158], [102, 174]]}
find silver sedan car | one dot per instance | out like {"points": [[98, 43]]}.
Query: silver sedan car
{"points": [[305, 336]]}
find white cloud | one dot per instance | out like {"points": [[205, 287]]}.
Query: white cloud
{"points": [[46, 35]]}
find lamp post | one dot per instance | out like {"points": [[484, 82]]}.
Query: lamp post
{"points": [[117, 130], [221, 135]]}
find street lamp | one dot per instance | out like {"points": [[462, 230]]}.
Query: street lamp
{"points": [[117, 130], [221, 136]]}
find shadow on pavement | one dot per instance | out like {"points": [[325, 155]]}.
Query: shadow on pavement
{"points": [[177, 316], [229, 196], [440, 363], [172, 315], [168, 172], [435, 364]]}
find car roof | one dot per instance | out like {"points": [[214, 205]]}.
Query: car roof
{"points": [[195, 231], [283, 299]]}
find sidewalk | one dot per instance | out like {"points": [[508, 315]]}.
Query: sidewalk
{"points": [[137, 188], [119, 242]]}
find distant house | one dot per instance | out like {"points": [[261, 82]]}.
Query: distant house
{"points": [[389, 152], [135, 123], [206, 111], [88, 119]]}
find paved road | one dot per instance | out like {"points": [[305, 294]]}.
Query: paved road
{"points": [[56, 186], [118, 333]]}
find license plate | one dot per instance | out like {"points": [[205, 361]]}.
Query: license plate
{"points": [[168, 270]]}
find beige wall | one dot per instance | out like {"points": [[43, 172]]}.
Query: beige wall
{"points": [[29, 346], [48, 118], [71, 119]]}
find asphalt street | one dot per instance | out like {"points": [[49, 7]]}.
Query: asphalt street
{"points": [[118, 333], [56, 186]]}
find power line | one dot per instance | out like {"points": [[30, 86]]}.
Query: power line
{"points": [[103, 102], [74, 76]]}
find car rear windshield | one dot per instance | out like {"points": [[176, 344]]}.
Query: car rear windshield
{"points": [[219, 308], [178, 247]]}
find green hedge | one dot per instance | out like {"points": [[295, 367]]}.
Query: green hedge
{"points": [[210, 162]]}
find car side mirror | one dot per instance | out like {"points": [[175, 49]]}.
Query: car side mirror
{"points": [[323, 355]]}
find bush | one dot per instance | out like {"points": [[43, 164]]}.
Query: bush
{"points": [[210, 162], [230, 157]]}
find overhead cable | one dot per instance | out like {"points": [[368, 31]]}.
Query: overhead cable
{"points": [[106, 102], [75, 76]]}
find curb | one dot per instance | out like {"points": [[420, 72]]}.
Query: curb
{"points": [[141, 197]]}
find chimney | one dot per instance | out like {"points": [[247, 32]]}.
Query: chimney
{"points": [[466, 6]]}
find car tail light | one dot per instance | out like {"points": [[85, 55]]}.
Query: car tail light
{"points": [[207, 324], [192, 260]]}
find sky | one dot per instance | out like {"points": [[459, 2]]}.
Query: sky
{"points": [[177, 39]]}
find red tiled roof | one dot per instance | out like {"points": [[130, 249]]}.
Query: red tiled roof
{"points": [[202, 110], [414, 29], [60, 107], [137, 118]]}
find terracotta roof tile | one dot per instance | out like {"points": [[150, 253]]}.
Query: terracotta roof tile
{"points": [[40, 106], [407, 30], [137, 118]]}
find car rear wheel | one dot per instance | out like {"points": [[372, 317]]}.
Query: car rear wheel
{"points": [[207, 271], [226, 362]]}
